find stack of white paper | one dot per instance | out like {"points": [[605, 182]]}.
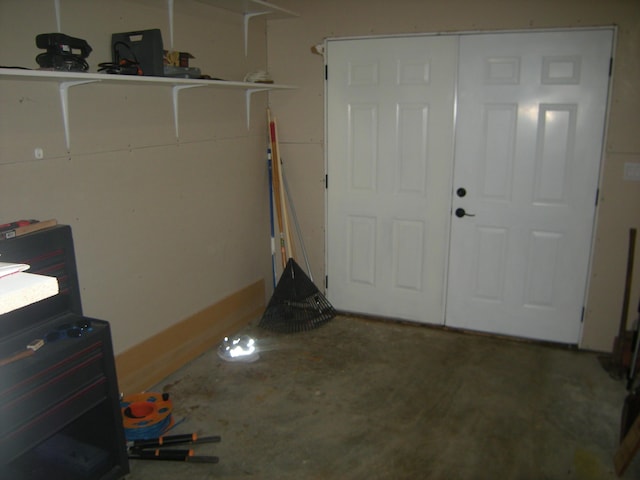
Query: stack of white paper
{"points": [[19, 289]]}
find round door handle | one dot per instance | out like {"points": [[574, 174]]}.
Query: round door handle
{"points": [[461, 213]]}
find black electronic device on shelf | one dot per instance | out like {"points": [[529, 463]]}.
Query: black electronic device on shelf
{"points": [[138, 53], [62, 52]]}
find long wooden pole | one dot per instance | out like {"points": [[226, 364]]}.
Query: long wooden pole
{"points": [[283, 200], [277, 193]]}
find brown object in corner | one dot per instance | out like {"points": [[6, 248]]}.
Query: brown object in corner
{"points": [[628, 448], [624, 340], [152, 360]]}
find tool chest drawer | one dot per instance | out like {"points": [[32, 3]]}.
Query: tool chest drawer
{"points": [[59, 407], [44, 390], [30, 432]]}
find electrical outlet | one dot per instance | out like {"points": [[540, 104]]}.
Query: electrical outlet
{"points": [[631, 172], [38, 153]]}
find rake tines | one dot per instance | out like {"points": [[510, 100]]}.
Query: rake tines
{"points": [[296, 305]]}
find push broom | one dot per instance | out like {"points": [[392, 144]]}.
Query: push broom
{"points": [[296, 304]]}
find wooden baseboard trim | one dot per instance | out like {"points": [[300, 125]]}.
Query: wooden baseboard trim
{"points": [[144, 365]]}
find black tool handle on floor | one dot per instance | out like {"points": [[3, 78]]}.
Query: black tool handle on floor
{"points": [[168, 454], [174, 440], [175, 458]]}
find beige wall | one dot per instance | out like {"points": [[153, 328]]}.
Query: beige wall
{"points": [[166, 228], [301, 114], [163, 228]]}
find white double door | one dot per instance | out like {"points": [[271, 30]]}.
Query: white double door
{"points": [[505, 127]]}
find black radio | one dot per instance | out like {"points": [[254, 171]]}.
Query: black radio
{"points": [[63, 52]]}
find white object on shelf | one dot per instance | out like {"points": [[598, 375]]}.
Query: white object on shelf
{"points": [[21, 289]]}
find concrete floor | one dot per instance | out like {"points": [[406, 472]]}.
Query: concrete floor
{"points": [[365, 399]]}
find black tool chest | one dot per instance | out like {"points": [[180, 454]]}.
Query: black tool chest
{"points": [[59, 407]]}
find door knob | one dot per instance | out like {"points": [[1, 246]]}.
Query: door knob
{"points": [[461, 213], [461, 192]]}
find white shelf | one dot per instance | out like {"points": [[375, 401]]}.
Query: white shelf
{"points": [[247, 7], [67, 80], [133, 79], [250, 9]]}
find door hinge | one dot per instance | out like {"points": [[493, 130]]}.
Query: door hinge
{"points": [[326, 72], [326, 281], [326, 181], [610, 66], [597, 196], [582, 316]]}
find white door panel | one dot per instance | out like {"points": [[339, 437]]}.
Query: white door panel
{"points": [[530, 123], [389, 132]]}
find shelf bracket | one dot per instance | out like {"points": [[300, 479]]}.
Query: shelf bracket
{"points": [[247, 98], [64, 101], [175, 90], [246, 18]]}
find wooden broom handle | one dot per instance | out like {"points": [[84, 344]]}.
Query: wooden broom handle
{"points": [[275, 167], [285, 215]]}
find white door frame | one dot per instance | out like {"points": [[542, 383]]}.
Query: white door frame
{"points": [[612, 28]]}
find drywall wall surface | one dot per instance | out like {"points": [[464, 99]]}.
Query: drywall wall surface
{"points": [[164, 226], [302, 113], [618, 212]]}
